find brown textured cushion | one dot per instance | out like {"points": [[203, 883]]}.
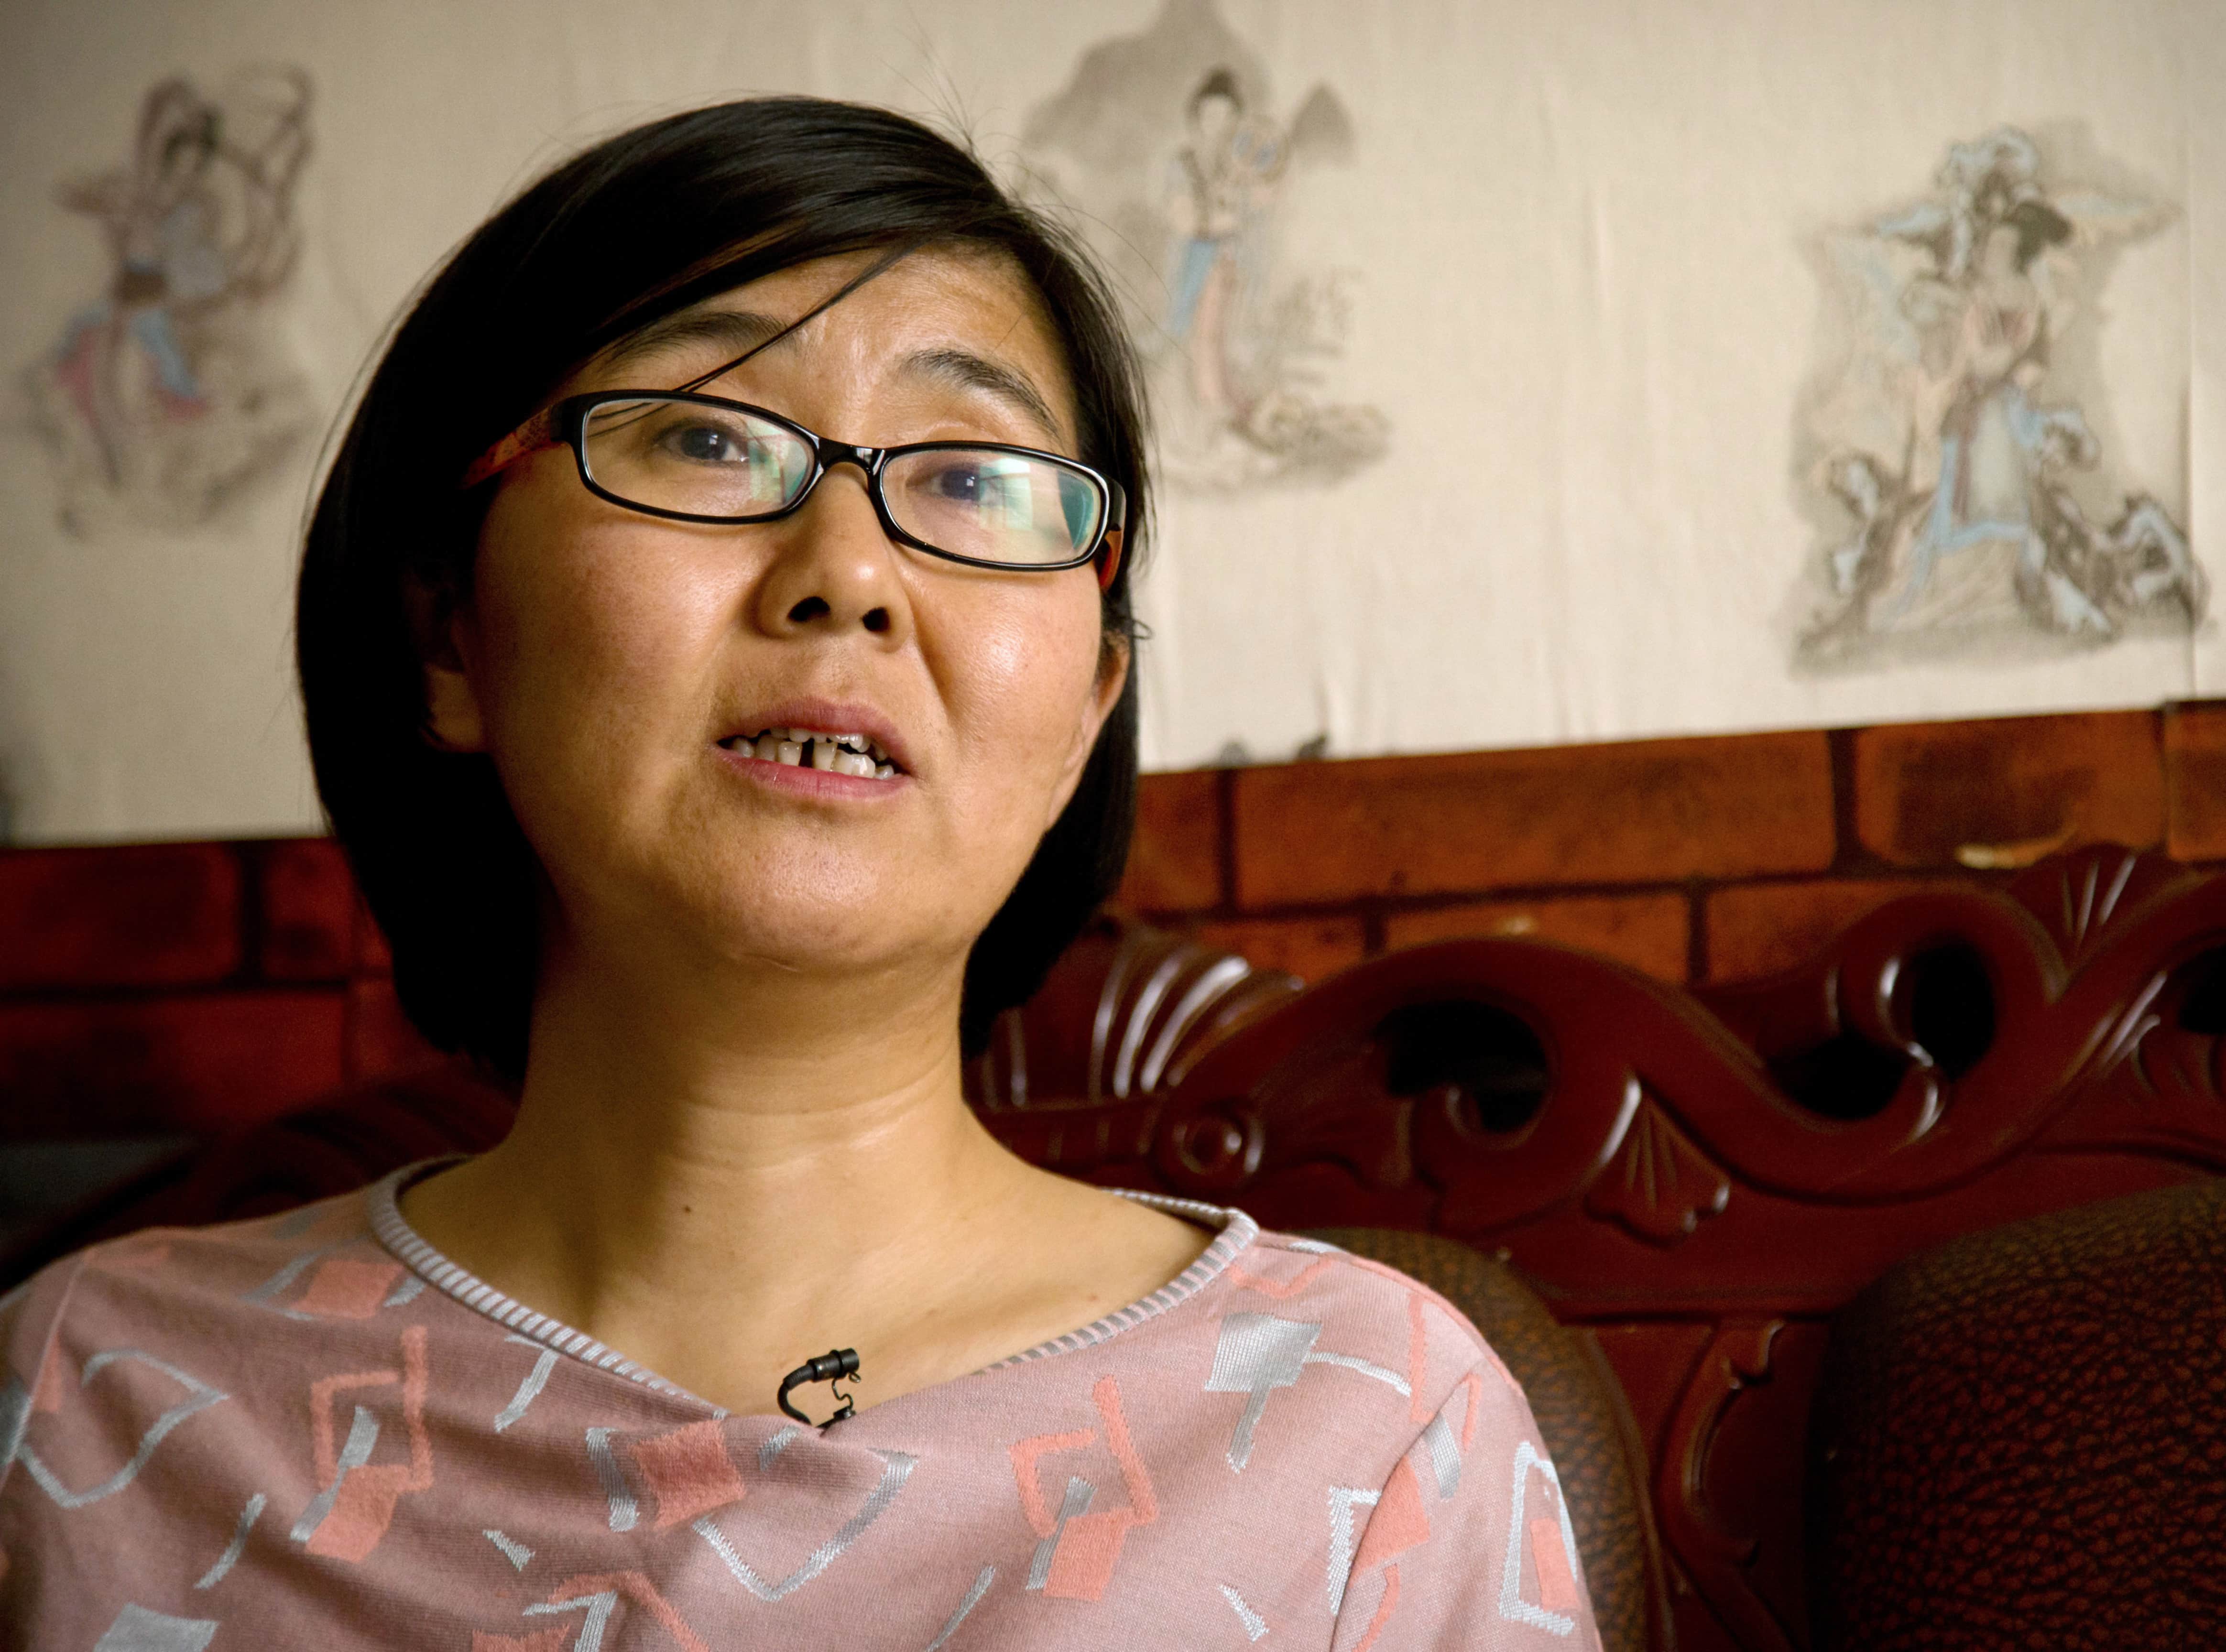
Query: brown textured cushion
{"points": [[1579, 1407], [348, 1140], [2020, 1439]]}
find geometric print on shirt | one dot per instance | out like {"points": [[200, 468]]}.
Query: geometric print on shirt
{"points": [[314, 1430]]}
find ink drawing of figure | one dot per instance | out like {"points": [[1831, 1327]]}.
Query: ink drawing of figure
{"points": [[165, 394], [1169, 151], [1976, 525]]}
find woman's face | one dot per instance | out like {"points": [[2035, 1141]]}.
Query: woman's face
{"points": [[612, 663]]}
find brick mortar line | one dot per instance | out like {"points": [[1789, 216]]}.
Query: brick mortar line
{"points": [[1847, 851], [1374, 930], [1225, 836], [1870, 870], [254, 916], [1392, 905], [51, 997]]}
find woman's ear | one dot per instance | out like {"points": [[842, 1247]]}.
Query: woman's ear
{"points": [[453, 722], [1104, 695], [1112, 678]]}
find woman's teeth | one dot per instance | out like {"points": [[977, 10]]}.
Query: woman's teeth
{"points": [[852, 754]]}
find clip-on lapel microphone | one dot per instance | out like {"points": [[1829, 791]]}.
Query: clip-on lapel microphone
{"points": [[830, 1368]]}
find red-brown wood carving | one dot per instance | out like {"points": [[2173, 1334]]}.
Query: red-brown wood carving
{"points": [[1703, 1178], [1659, 1185], [1696, 1180]]}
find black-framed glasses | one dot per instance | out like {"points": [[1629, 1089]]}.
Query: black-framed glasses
{"points": [[689, 457]]}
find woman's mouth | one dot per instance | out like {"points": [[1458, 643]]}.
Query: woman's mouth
{"points": [[811, 748]]}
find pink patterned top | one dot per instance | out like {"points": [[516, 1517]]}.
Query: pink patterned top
{"points": [[314, 1430]]}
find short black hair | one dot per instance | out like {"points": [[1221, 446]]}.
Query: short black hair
{"points": [[639, 226]]}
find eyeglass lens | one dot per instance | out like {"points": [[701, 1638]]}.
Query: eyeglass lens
{"points": [[982, 503]]}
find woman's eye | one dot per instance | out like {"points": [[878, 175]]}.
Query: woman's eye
{"points": [[961, 484], [707, 444]]}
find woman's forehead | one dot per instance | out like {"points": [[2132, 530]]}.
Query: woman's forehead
{"points": [[958, 321]]}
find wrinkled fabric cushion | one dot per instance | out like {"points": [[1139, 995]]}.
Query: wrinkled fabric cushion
{"points": [[1580, 1410], [2020, 1439]]}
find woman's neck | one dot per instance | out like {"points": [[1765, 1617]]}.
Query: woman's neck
{"points": [[723, 1181]]}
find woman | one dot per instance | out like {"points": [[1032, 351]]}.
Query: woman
{"points": [[719, 782]]}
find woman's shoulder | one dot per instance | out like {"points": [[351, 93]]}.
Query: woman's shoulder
{"points": [[1376, 1358], [1344, 1290], [1259, 1281], [178, 1283]]}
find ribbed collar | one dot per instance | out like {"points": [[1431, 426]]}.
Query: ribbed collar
{"points": [[1238, 1232]]}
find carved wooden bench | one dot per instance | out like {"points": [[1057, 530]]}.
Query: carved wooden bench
{"points": [[1694, 1183]]}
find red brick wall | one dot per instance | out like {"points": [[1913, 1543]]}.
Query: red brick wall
{"points": [[163, 987], [1697, 860]]}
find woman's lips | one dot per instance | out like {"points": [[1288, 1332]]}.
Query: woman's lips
{"points": [[796, 779]]}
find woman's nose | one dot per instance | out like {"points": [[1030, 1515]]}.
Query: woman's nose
{"points": [[834, 568]]}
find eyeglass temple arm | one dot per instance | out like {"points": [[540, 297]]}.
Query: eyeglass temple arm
{"points": [[531, 437], [1116, 532]]}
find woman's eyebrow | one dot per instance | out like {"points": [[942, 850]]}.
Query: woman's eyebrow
{"points": [[970, 371], [735, 332]]}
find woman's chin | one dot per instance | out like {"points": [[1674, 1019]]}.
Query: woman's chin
{"points": [[862, 939]]}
